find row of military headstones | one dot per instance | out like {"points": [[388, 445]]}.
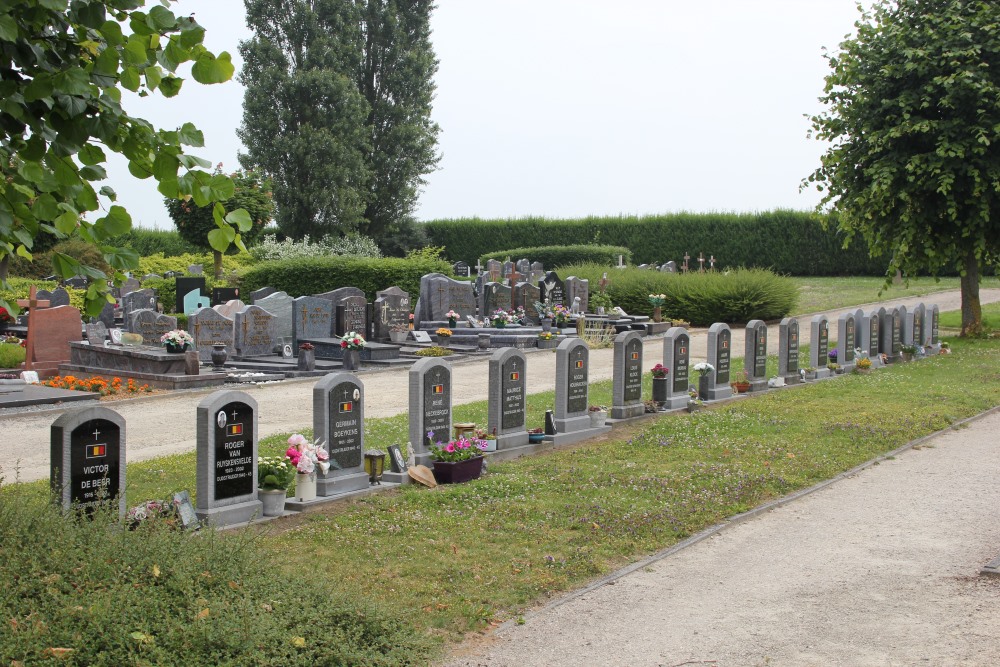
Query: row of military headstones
{"points": [[440, 294]]}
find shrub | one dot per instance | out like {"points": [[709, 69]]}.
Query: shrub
{"points": [[700, 298], [271, 249], [20, 288], [41, 264], [159, 264], [11, 355], [556, 256], [166, 242], [156, 596], [316, 275]]}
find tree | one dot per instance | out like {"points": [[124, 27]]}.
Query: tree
{"points": [[195, 223], [62, 67], [337, 110], [913, 114]]}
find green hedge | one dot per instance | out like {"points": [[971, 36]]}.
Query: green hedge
{"points": [[147, 242], [790, 242], [316, 275], [702, 299], [554, 256]]}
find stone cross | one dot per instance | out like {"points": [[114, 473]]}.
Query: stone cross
{"points": [[513, 276], [603, 282], [31, 303], [711, 262], [479, 267], [621, 264], [701, 262], [685, 264]]}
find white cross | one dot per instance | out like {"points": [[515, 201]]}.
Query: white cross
{"points": [[96, 433], [235, 414]]}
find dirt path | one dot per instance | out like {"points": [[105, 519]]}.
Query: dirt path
{"points": [[165, 424], [880, 568]]}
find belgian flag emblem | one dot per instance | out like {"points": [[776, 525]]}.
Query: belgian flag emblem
{"points": [[234, 429], [437, 389], [347, 406], [96, 451], [515, 376], [579, 364], [635, 356]]}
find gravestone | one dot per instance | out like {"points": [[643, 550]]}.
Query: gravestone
{"points": [[44, 295], [129, 286], [916, 324], [508, 395], [259, 294], [143, 299], [195, 269], [194, 300], [720, 350], [677, 359], [209, 328], [890, 339], [255, 332], [312, 319], [339, 422], [96, 333], [905, 335], [80, 282], [819, 345], [870, 334], [506, 269], [222, 295], [495, 296], [87, 462], [523, 267], [462, 269], [439, 294], [572, 387], [788, 350], [59, 297], [151, 325], [494, 270], [51, 330], [526, 295], [107, 315], [392, 306], [552, 290], [430, 406], [755, 354], [669, 267], [226, 430], [578, 288], [172, 274], [186, 285], [352, 315], [847, 331], [626, 384], [280, 305], [933, 315]]}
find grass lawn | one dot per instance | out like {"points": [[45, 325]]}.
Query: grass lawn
{"points": [[821, 293], [991, 318]]}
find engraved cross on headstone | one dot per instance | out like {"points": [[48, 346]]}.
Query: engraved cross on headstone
{"points": [[30, 304], [96, 433]]}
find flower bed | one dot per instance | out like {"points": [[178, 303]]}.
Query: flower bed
{"points": [[97, 384]]}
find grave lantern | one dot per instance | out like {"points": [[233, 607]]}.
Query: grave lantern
{"points": [[374, 465]]}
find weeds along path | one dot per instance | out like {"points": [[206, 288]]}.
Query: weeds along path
{"points": [[165, 423]]}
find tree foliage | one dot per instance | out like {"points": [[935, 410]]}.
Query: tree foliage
{"points": [[62, 68], [337, 111], [913, 115]]}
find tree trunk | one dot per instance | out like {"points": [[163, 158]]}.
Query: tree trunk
{"points": [[4, 264], [218, 265], [972, 311]]}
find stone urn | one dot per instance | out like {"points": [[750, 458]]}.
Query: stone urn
{"points": [[306, 360], [219, 356]]}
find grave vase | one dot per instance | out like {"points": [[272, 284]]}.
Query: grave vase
{"points": [[660, 390], [273, 500], [546, 324], [451, 322], [657, 314], [456, 472], [305, 487], [173, 349], [219, 356], [307, 360], [352, 360], [597, 418], [703, 387], [398, 336]]}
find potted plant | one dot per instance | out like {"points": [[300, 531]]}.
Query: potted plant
{"points": [[810, 372], [307, 357], [489, 438], [547, 340], [398, 332], [500, 318], [863, 365], [834, 367], [694, 403], [536, 435], [560, 315], [908, 351], [443, 334], [457, 461], [945, 347], [600, 302], [741, 381], [657, 301], [351, 344], [308, 459], [660, 380], [598, 415], [176, 340], [274, 476], [452, 318], [832, 356], [705, 370]]}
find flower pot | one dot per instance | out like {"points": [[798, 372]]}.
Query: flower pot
{"points": [[660, 390], [219, 356], [274, 501], [398, 336], [351, 360], [307, 360], [491, 445], [546, 324], [456, 472], [451, 322], [693, 407], [597, 418], [741, 387], [536, 438], [305, 487], [499, 324], [907, 356], [703, 387], [174, 349]]}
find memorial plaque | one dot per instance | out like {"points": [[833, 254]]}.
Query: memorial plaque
{"points": [[235, 455], [512, 398], [397, 463]]}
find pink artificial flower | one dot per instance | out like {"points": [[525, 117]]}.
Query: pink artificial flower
{"points": [[482, 445], [305, 465], [321, 454], [298, 440], [293, 455], [449, 448], [343, 343]]}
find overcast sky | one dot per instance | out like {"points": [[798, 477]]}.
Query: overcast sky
{"points": [[568, 108]]}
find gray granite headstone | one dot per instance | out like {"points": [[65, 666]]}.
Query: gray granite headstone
{"points": [[256, 295], [392, 306], [788, 350], [312, 318], [720, 351], [129, 286], [352, 315], [196, 269], [226, 430], [889, 334], [869, 334], [87, 463], [137, 300], [430, 406], [669, 267], [506, 269], [339, 424], [819, 344], [341, 293], [526, 295], [916, 324], [934, 315], [626, 376], [96, 333], [905, 334], [107, 315], [280, 305], [439, 294], [847, 331], [508, 396], [494, 270], [256, 332], [578, 287], [523, 267], [495, 296], [151, 325], [677, 359], [552, 289], [209, 328], [755, 354], [572, 386], [59, 297]]}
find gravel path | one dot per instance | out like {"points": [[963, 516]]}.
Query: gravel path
{"points": [[165, 424], [879, 568]]}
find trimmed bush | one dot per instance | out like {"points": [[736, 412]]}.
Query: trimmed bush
{"points": [[145, 242], [86, 592], [41, 264], [734, 296], [788, 242], [555, 256], [271, 249], [316, 275]]}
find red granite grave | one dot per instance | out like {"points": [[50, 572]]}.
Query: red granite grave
{"points": [[51, 331]]}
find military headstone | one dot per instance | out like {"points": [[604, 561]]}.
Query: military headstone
{"points": [[227, 458], [430, 406], [87, 463], [720, 344], [339, 422], [755, 354], [847, 331], [819, 344], [312, 319], [572, 386], [508, 395], [788, 350], [916, 324], [890, 339], [209, 328], [677, 359], [933, 336], [626, 384], [255, 332], [870, 334]]}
